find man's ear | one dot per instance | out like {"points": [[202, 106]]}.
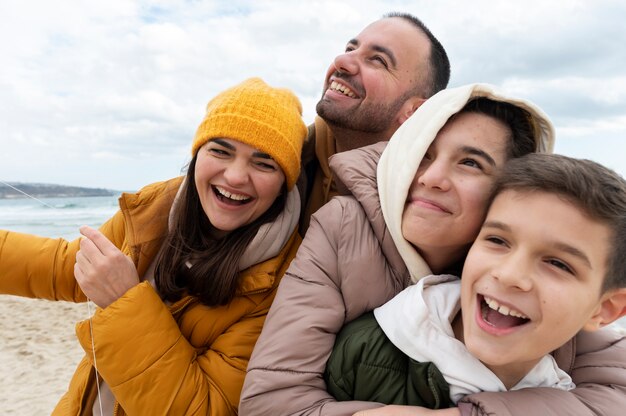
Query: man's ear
{"points": [[409, 107], [611, 308]]}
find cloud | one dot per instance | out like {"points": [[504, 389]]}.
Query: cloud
{"points": [[109, 94]]}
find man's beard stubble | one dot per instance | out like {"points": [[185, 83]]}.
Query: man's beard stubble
{"points": [[367, 119], [373, 118]]}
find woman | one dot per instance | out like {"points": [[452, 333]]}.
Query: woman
{"points": [[433, 179], [184, 273]]}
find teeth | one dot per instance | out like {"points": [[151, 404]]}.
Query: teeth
{"points": [[228, 195], [493, 304], [335, 86]]}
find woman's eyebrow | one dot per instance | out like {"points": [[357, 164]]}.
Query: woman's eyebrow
{"points": [[224, 143], [262, 155], [478, 152], [229, 146]]}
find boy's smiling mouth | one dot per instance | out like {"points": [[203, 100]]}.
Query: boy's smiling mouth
{"points": [[499, 316]]}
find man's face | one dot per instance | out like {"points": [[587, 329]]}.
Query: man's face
{"points": [[367, 86], [531, 280]]}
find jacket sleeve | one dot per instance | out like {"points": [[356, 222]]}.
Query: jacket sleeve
{"points": [[342, 368], [43, 268], [599, 372], [38, 267], [285, 374], [153, 369]]}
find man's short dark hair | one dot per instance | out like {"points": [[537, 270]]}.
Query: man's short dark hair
{"points": [[439, 64]]}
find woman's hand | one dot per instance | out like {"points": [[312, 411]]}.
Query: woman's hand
{"points": [[102, 271], [395, 410]]}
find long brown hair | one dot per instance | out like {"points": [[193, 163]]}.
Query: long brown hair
{"points": [[214, 262]]}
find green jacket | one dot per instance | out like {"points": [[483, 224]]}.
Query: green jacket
{"points": [[365, 365]]}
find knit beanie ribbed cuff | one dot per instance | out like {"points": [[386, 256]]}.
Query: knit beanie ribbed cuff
{"points": [[266, 118]]}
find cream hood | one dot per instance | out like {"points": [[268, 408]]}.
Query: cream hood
{"points": [[402, 156]]}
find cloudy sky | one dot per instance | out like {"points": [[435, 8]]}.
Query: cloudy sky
{"points": [[109, 93]]}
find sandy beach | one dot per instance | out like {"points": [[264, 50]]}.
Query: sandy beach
{"points": [[38, 353]]}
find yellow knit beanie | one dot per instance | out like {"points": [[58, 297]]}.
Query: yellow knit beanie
{"points": [[266, 118]]}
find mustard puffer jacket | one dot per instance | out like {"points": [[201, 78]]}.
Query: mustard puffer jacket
{"points": [[183, 359]]}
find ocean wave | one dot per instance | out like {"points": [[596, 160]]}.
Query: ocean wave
{"points": [[55, 217], [68, 206]]}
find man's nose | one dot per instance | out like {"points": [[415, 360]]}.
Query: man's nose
{"points": [[347, 63]]}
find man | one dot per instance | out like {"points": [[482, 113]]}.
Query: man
{"points": [[383, 76]]}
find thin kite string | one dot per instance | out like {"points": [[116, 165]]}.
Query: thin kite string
{"points": [[30, 196], [93, 345], [93, 350]]}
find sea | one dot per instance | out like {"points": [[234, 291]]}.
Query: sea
{"points": [[61, 217], [56, 217]]}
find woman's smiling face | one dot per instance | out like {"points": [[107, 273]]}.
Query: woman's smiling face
{"points": [[236, 183], [447, 200]]}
